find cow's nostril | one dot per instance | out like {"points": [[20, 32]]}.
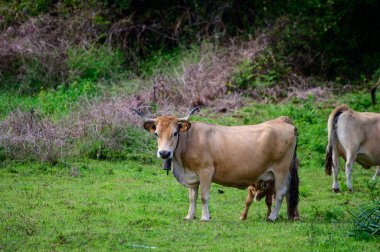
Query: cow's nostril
{"points": [[164, 154]]}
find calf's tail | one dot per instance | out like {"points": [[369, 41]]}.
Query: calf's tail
{"points": [[294, 183]]}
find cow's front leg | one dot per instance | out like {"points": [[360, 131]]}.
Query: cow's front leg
{"points": [[193, 194], [205, 178], [372, 183]]}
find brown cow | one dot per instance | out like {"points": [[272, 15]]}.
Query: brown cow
{"points": [[236, 156], [355, 136]]}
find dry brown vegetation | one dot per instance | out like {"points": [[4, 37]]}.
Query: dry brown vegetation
{"points": [[104, 128]]}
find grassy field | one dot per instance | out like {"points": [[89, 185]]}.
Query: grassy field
{"points": [[132, 205]]}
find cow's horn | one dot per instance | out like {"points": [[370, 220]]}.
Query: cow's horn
{"points": [[141, 115], [187, 117]]}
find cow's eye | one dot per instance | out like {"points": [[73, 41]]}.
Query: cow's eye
{"points": [[176, 133], [155, 133]]}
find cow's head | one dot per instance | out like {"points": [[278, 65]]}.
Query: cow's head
{"points": [[167, 129]]}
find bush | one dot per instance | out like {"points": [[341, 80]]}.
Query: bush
{"points": [[94, 63], [65, 98], [265, 70]]}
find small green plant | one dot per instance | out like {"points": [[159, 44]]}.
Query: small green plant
{"points": [[366, 220]]}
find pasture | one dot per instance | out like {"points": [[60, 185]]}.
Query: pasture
{"points": [[132, 205]]}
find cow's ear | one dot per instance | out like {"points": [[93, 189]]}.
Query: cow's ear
{"points": [[150, 126], [184, 126]]}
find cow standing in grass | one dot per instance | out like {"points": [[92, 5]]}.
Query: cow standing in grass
{"points": [[236, 156], [356, 137]]}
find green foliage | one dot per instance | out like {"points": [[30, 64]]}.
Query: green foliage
{"points": [[366, 220], [376, 76], [28, 75], [65, 98], [11, 10], [330, 38], [265, 71], [94, 63]]}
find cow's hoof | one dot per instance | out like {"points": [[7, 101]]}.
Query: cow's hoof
{"points": [[243, 217], [189, 218], [350, 190], [269, 219], [336, 190], [296, 218], [205, 219]]}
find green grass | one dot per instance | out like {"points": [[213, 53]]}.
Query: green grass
{"points": [[116, 206]]}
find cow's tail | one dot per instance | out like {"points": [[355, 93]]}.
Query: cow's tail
{"points": [[331, 127], [294, 183]]}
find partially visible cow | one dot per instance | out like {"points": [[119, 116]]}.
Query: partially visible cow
{"points": [[236, 156], [356, 137]]}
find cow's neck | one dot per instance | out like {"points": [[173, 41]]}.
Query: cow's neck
{"points": [[179, 149]]}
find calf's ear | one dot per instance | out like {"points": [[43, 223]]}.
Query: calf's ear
{"points": [[184, 126], [150, 126]]}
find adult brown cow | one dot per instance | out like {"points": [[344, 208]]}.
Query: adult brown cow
{"points": [[355, 136], [236, 156]]}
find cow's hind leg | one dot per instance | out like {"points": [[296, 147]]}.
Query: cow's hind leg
{"points": [[281, 185], [351, 156], [335, 170], [248, 203], [296, 214], [193, 194]]}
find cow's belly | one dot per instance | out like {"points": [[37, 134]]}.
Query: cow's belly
{"points": [[243, 182], [185, 177], [366, 161]]}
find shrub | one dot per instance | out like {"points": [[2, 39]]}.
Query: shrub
{"points": [[65, 98], [94, 63]]}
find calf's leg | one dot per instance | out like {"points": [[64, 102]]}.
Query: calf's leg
{"points": [[248, 203]]}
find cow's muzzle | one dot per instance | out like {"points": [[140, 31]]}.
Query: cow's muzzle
{"points": [[164, 154]]}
